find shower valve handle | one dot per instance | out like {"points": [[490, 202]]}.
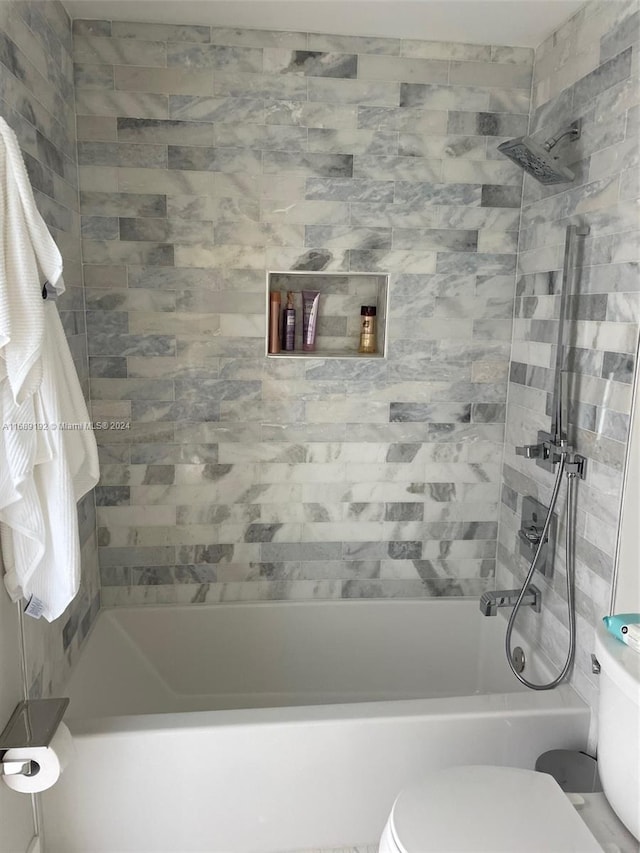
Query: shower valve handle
{"points": [[532, 451]]}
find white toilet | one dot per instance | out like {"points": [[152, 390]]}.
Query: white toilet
{"points": [[484, 809]]}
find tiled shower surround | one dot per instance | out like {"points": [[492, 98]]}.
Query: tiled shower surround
{"points": [[588, 70], [209, 157], [36, 100]]}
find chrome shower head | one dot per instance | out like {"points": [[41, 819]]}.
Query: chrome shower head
{"points": [[538, 160]]}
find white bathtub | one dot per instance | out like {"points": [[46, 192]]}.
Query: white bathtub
{"points": [[255, 728]]}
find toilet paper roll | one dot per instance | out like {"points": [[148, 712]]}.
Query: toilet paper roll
{"points": [[51, 761]]}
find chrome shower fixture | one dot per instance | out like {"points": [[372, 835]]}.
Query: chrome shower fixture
{"points": [[537, 160]]}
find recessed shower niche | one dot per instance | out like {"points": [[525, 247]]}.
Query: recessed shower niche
{"points": [[342, 295]]}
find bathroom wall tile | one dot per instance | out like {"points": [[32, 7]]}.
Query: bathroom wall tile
{"points": [[487, 124], [164, 131], [354, 44], [160, 32], [36, 91], [113, 51], [598, 88], [219, 110], [315, 114], [259, 38], [417, 70], [444, 50], [214, 57], [431, 96], [265, 86], [167, 81], [343, 189], [507, 75], [134, 104], [265, 133], [310, 63], [354, 92], [92, 76]]}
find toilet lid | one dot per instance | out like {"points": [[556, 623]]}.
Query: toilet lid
{"points": [[482, 809]]}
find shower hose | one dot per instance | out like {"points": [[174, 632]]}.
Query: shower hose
{"points": [[570, 555]]}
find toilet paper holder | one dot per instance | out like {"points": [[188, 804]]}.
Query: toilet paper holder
{"points": [[33, 723]]}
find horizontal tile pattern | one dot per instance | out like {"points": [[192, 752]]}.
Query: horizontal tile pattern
{"points": [[36, 100], [216, 155], [585, 71]]}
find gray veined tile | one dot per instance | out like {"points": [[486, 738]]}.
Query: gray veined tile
{"points": [[260, 137], [439, 239], [438, 193], [161, 32], [123, 204], [487, 124], [258, 38], [352, 141], [620, 37], [266, 86], [412, 214], [354, 92], [618, 366], [403, 69], [115, 103], [189, 158], [311, 114], [87, 76], [395, 168], [430, 413], [234, 110], [99, 227], [606, 75], [444, 50], [164, 230], [312, 165], [81, 27], [347, 237], [494, 74], [433, 96], [122, 154], [496, 195], [353, 44], [113, 51], [119, 252], [167, 81], [509, 101], [439, 147], [309, 63], [164, 131], [418, 121], [214, 57], [346, 189]]}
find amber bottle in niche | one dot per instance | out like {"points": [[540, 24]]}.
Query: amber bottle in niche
{"points": [[368, 329], [274, 322]]}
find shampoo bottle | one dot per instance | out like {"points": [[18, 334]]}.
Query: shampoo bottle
{"points": [[289, 325]]}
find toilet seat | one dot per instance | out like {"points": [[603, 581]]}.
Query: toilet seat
{"points": [[483, 809]]}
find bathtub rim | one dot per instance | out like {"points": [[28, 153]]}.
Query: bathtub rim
{"points": [[563, 699]]}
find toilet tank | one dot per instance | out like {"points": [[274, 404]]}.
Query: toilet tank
{"points": [[619, 727]]}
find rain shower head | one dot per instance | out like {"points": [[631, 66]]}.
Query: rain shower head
{"points": [[538, 160]]}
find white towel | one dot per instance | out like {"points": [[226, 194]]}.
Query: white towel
{"points": [[59, 481], [43, 470], [28, 258]]}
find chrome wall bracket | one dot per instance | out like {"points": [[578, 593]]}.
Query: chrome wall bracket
{"points": [[547, 453], [534, 515], [32, 724]]}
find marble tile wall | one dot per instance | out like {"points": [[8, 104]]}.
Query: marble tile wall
{"points": [[208, 157], [588, 70], [36, 100]]}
